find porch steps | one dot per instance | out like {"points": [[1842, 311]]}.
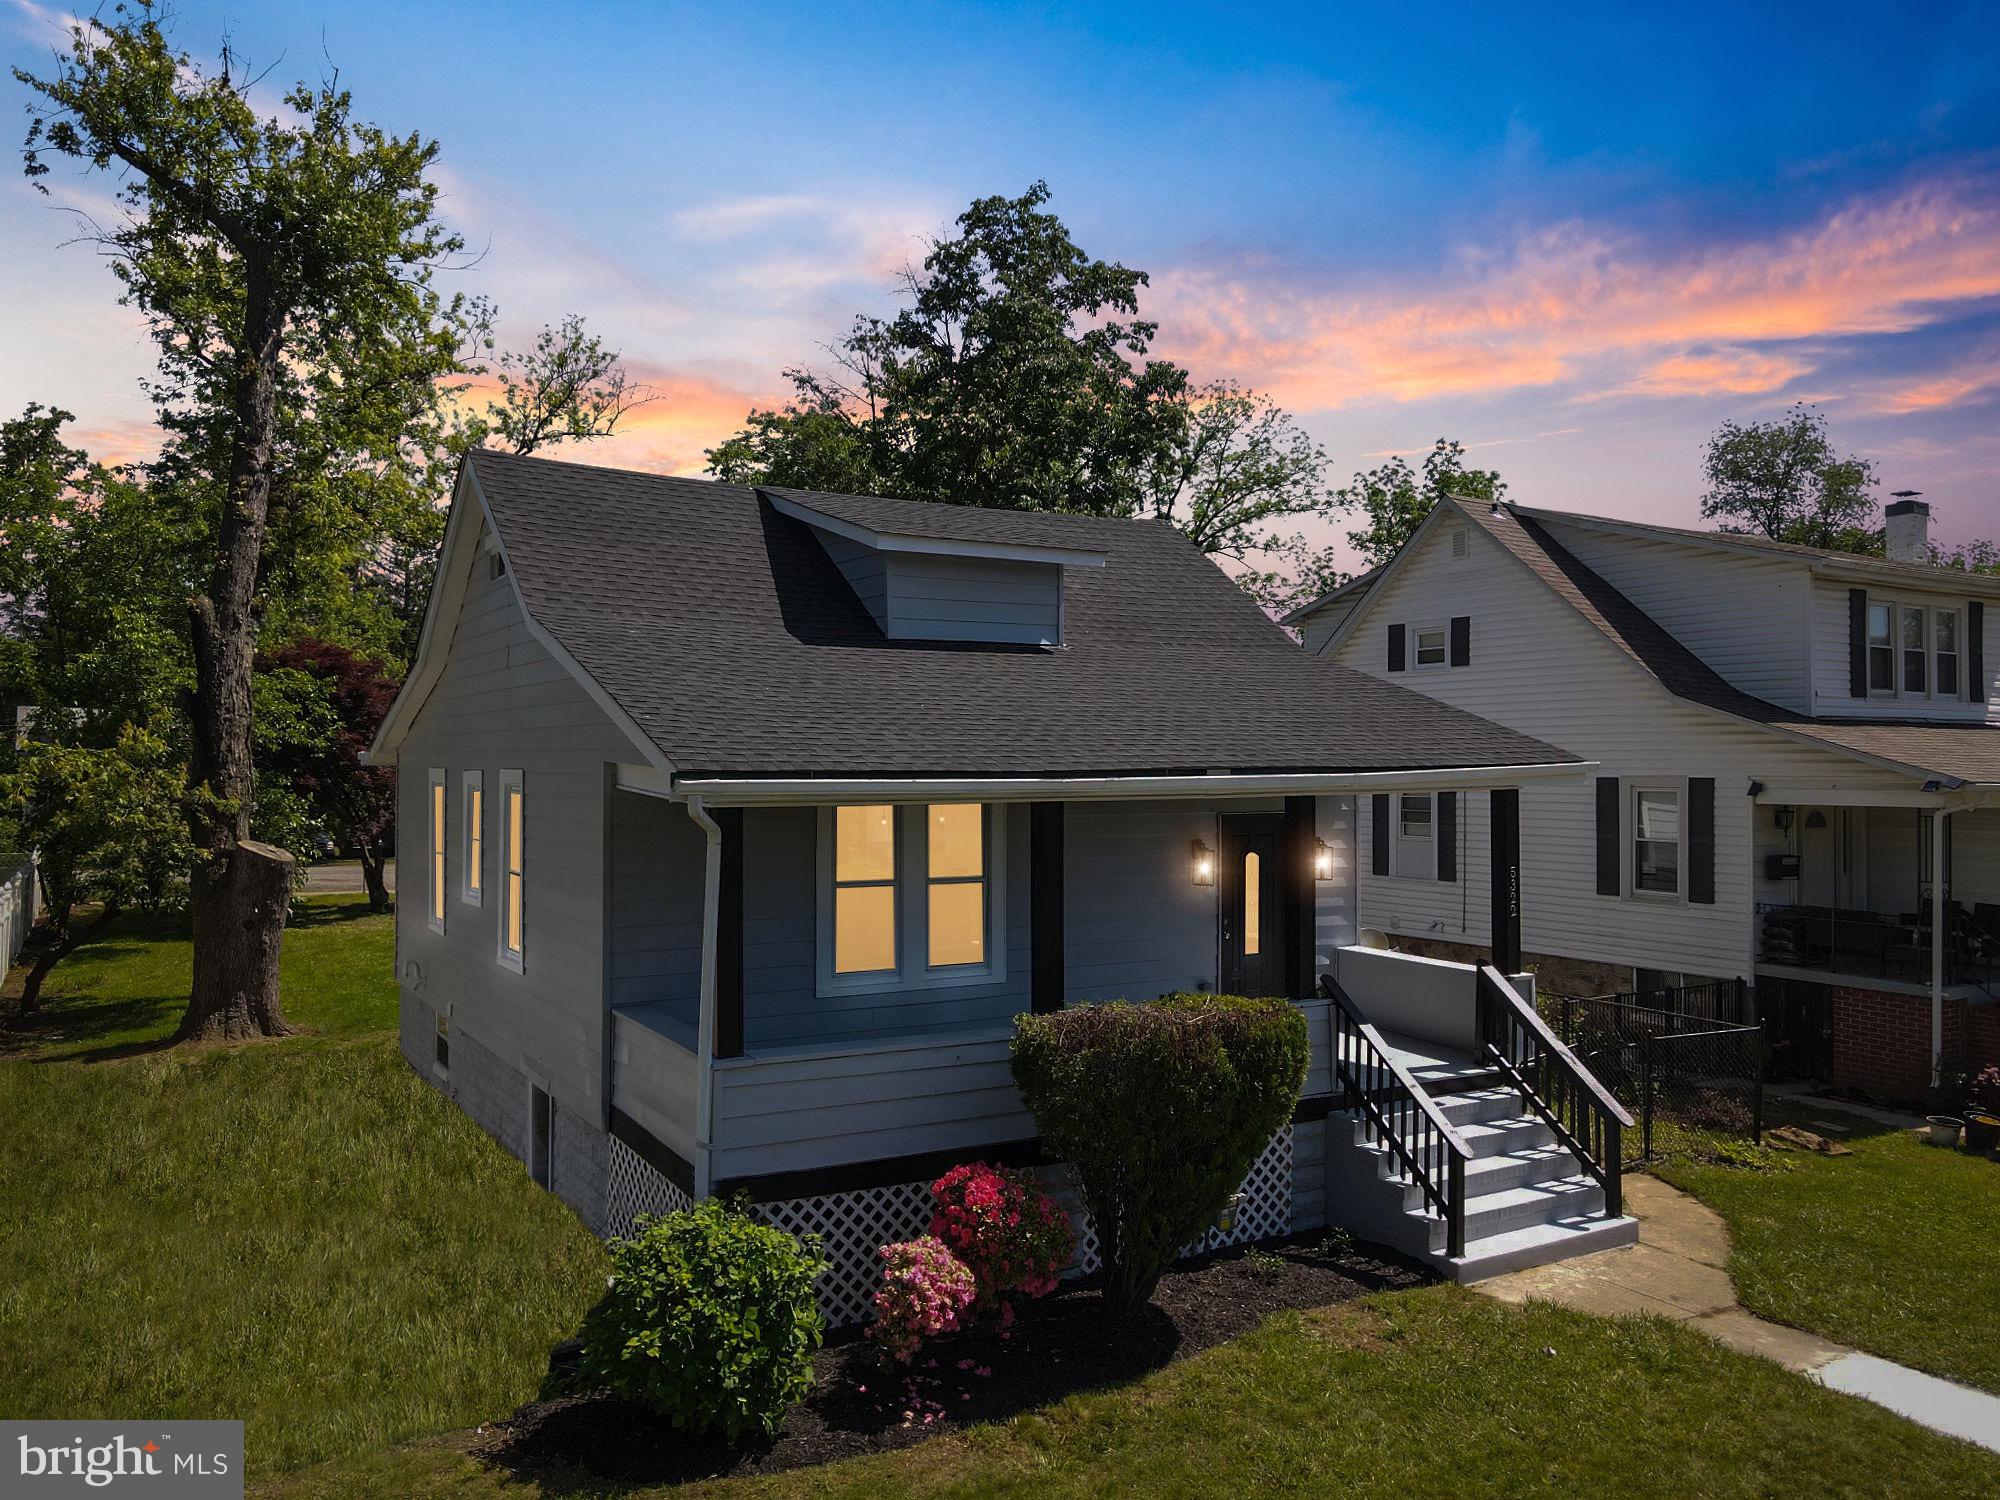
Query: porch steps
{"points": [[1528, 1200]]}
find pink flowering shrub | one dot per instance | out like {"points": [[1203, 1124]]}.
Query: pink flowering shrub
{"points": [[926, 1291], [1011, 1233]]}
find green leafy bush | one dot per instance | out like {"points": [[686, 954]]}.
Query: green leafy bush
{"points": [[710, 1319], [1160, 1109]]}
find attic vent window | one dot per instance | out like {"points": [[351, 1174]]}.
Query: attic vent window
{"points": [[1459, 544], [497, 566]]}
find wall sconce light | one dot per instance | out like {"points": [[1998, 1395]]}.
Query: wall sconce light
{"points": [[1782, 816], [1322, 860], [1815, 819], [1202, 863]]}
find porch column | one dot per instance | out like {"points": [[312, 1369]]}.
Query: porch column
{"points": [[1939, 913], [729, 935], [1045, 906], [1301, 894], [1505, 806]]}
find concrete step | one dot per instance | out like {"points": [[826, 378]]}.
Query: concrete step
{"points": [[1522, 1207], [1537, 1245], [1493, 1174], [1478, 1106]]}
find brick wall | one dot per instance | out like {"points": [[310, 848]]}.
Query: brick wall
{"points": [[1882, 1041]]}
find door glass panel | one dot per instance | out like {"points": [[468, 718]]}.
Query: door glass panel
{"points": [[1252, 902]]}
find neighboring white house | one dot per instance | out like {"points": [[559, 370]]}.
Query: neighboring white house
{"points": [[1792, 746], [738, 825]]}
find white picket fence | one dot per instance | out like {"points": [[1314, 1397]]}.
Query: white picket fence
{"points": [[17, 903]]}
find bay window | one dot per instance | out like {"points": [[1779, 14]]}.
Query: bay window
{"points": [[911, 897]]}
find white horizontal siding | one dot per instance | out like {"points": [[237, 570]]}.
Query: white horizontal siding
{"points": [[503, 702], [1539, 667], [1832, 677], [973, 599]]}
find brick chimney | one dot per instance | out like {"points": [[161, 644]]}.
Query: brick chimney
{"points": [[1906, 531]]}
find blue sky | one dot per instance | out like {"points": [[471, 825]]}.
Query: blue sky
{"points": [[1572, 239]]}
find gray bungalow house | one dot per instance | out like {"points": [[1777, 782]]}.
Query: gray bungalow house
{"points": [[737, 825]]}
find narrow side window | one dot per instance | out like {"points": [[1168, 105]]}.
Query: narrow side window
{"points": [[472, 808], [437, 836], [513, 871]]}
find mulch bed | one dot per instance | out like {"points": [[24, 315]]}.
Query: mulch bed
{"points": [[1065, 1343]]}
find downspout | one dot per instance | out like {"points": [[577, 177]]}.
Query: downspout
{"points": [[704, 1047]]}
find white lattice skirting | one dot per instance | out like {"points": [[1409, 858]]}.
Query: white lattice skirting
{"points": [[853, 1226]]}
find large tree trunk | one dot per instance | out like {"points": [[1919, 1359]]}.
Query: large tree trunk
{"points": [[372, 876], [236, 945], [240, 890]]}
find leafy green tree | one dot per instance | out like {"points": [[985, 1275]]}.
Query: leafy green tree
{"points": [[1972, 557], [108, 829], [285, 268], [1783, 480], [1018, 373], [1395, 498]]}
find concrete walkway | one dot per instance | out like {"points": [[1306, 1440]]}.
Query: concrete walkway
{"points": [[1680, 1270]]}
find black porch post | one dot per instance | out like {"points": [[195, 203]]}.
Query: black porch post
{"points": [[1045, 906], [1505, 803], [729, 936], [1301, 889]]}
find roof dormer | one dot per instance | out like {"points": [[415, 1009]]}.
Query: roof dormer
{"points": [[945, 573]]}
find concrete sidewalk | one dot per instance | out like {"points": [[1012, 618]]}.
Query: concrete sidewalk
{"points": [[1680, 1270]]}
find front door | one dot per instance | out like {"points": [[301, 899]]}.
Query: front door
{"points": [[1250, 896]]}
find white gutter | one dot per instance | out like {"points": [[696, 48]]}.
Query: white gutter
{"points": [[704, 1046], [757, 792]]}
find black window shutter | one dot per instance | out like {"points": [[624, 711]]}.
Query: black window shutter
{"points": [[1608, 882], [1975, 652], [1447, 835], [1701, 840], [1461, 640], [1857, 643], [1395, 648], [1378, 817]]}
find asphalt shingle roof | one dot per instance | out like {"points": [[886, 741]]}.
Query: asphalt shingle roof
{"points": [[1968, 752], [721, 626]]}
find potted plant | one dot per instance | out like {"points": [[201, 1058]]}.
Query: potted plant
{"points": [[1944, 1130], [1982, 1120]]}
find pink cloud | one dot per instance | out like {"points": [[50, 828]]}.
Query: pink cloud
{"points": [[1574, 304], [1968, 378]]}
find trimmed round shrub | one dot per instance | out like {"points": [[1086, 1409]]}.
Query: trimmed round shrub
{"points": [[926, 1291], [710, 1320], [1160, 1109], [1011, 1234]]}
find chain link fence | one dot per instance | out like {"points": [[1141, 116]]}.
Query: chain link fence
{"points": [[1684, 1077]]}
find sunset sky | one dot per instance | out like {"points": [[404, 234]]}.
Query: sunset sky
{"points": [[1573, 241]]}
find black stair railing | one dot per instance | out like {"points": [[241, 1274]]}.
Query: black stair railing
{"points": [[1581, 1111], [1397, 1115]]}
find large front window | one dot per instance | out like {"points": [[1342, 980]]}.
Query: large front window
{"points": [[1656, 841], [910, 895]]}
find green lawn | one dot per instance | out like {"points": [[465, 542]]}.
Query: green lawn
{"points": [[1433, 1392], [1895, 1249], [299, 1233], [303, 1235]]}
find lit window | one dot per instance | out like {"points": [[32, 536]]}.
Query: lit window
{"points": [[1881, 651], [472, 804], [1656, 841], [864, 889], [513, 870], [1253, 869], [1431, 645], [1944, 624], [437, 835], [956, 833], [1916, 666]]}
